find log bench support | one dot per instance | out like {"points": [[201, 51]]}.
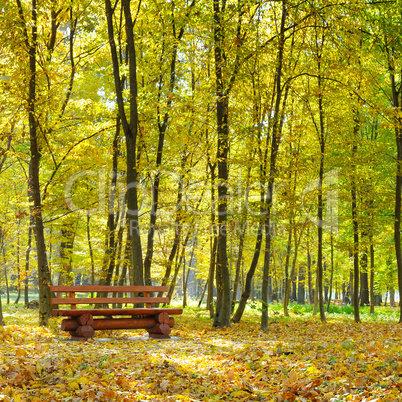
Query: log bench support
{"points": [[81, 324], [84, 326]]}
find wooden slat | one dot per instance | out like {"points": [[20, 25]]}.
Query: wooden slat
{"points": [[108, 300], [116, 311], [72, 296], [99, 288]]}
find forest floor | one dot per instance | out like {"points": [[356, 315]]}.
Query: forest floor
{"points": [[297, 359]]}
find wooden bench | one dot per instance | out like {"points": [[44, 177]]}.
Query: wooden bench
{"points": [[81, 323]]}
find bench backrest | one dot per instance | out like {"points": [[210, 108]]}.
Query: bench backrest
{"points": [[71, 295]]}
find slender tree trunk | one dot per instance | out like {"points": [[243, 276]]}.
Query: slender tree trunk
{"points": [[398, 189], [294, 287], [3, 251], [43, 268], [351, 287], [288, 279], [18, 266], [291, 277], [2, 322], [186, 273], [223, 306], [310, 279], [184, 283], [213, 243], [123, 275], [249, 277], [332, 271], [276, 133], [27, 261], [65, 250], [211, 275], [315, 308], [320, 278], [355, 246], [204, 289], [239, 262], [372, 296], [91, 253], [224, 86], [110, 251], [301, 288], [130, 128], [117, 255], [364, 280], [179, 261]]}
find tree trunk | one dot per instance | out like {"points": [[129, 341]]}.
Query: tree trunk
{"points": [[320, 202], [276, 133], [294, 288], [398, 189], [2, 322], [117, 255], [239, 262], [372, 297], [65, 250], [332, 272], [204, 289], [288, 279], [355, 245], [3, 252], [110, 246], [27, 260], [310, 279], [351, 287], [19, 285], [364, 280], [211, 275], [213, 244], [315, 308], [392, 296], [130, 128], [301, 289], [35, 153], [91, 253], [179, 261], [223, 305], [249, 277], [184, 285]]}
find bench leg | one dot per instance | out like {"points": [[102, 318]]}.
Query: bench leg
{"points": [[82, 333], [162, 329], [83, 329]]}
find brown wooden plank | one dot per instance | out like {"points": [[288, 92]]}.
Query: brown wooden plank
{"points": [[116, 311], [72, 296], [109, 300], [71, 324], [100, 288]]}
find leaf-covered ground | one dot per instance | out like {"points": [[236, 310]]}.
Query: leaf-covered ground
{"points": [[296, 360]]}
